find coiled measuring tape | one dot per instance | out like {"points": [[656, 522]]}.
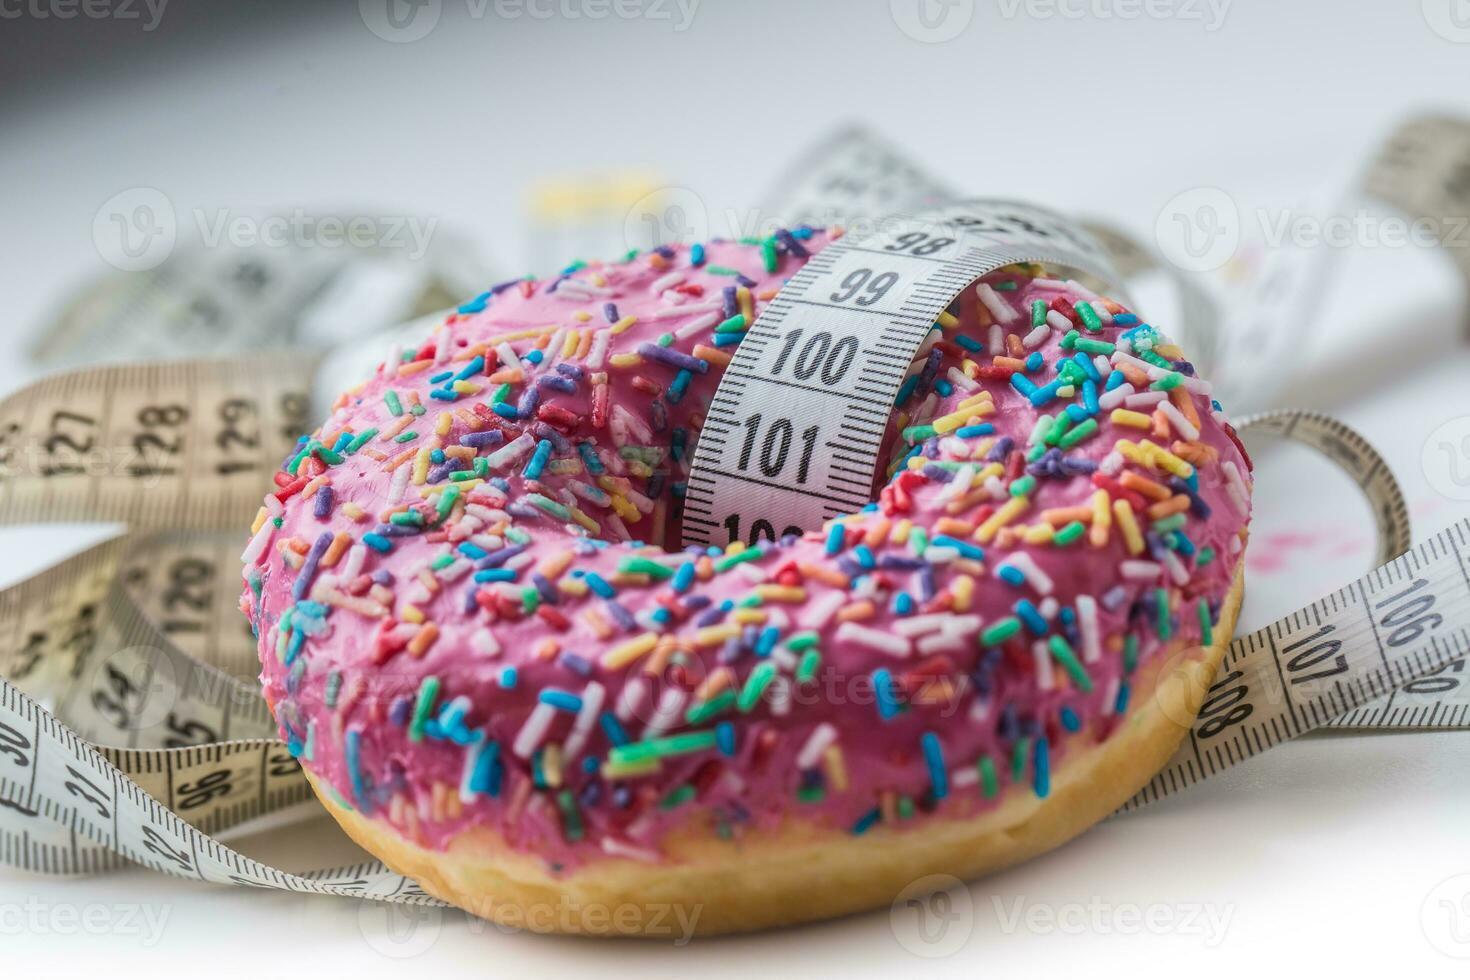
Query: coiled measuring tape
{"points": [[131, 727]]}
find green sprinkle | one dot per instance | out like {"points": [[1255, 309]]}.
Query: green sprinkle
{"points": [[530, 599], [1152, 358], [550, 506], [1171, 523], [428, 693], [1168, 382], [811, 794], [1018, 757], [1064, 654], [1089, 316], [768, 254], [1069, 534], [395, 407], [659, 748], [755, 685], [447, 500], [571, 818], [1058, 429], [721, 270], [989, 785], [730, 561], [1130, 653], [1161, 597], [1206, 625], [905, 807], [1086, 430], [638, 565], [678, 797], [1000, 631], [807, 669], [918, 433], [417, 410], [359, 441], [1090, 346], [443, 561], [1206, 555], [1038, 312], [918, 540], [733, 325], [407, 518], [408, 436], [1023, 486], [804, 640], [1069, 340], [706, 710]]}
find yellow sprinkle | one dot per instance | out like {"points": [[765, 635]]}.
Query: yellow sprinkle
{"points": [[748, 616], [948, 320], [1122, 416], [582, 316], [1008, 512], [1039, 534], [466, 388], [948, 423], [625, 360], [551, 764], [743, 295], [260, 519], [1167, 460], [627, 652], [574, 587], [876, 532], [581, 518], [353, 512], [569, 345], [1126, 523], [714, 635], [421, 467], [625, 508], [836, 768], [443, 424], [962, 588], [623, 324], [1102, 519], [900, 532], [781, 593], [411, 614]]}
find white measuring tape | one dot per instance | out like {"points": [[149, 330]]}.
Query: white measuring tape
{"points": [[153, 736]]}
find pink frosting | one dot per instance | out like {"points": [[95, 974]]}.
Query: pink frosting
{"points": [[393, 683]]}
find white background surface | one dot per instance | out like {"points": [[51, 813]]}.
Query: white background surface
{"points": [[1329, 853]]}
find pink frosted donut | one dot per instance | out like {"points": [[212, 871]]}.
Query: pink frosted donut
{"points": [[499, 689]]}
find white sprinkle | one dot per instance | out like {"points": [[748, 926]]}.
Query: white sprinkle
{"points": [[961, 380], [1144, 399], [632, 697], [1057, 321], [1052, 284], [1176, 568], [674, 311], [1045, 676], [996, 339], [964, 777], [821, 738], [1181, 424], [1110, 400], [993, 301], [1111, 464], [352, 566], [821, 611], [1139, 571], [485, 642], [471, 762], [258, 543], [697, 326], [597, 355], [511, 452], [1036, 337], [592, 697], [1110, 703], [670, 709], [866, 636], [665, 281], [537, 724], [1087, 622], [1026, 565]]}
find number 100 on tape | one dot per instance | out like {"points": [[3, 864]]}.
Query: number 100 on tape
{"points": [[793, 434]]}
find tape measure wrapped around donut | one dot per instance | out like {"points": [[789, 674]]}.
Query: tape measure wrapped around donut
{"points": [[506, 679]]}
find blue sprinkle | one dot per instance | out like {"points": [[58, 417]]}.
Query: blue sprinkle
{"points": [[1031, 616], [883, 691], [970, 431], [508, 678], [377, 542], [1023, 384], [965, 548], [600, 585], [683, 577], [725, 738], [1070, 721], [834, 539], [496, 575], [1034, 361], [354, 769], [613, 728], [866, 821], [1042, 767], [1011, 575], [561, 700], [1114, 379], [934, 759]]}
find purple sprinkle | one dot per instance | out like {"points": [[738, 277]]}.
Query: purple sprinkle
{"points": [[937, 473], [308, 567], [382, 577], [323, 506], [479, 440], [497, 558], [558, 381], [610, 312], [575, 371], [677, 359], [576, 663], [548, 591], [530, 398], [730, 305], [620, 613]]}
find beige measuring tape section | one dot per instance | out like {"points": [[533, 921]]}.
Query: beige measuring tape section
{"points": [[131, 728]]}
